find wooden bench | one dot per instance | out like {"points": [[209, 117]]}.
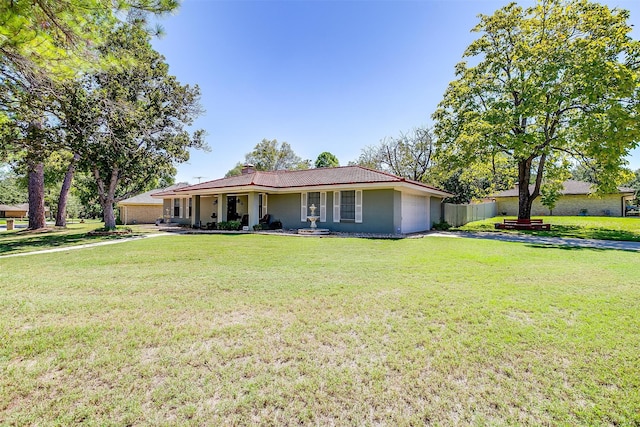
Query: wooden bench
{"points": [[522, 224]]}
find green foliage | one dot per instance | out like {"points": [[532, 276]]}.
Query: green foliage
{"points": [[327, 160], [475, 181], [269, 155], [46, 41], [12, 191], [546, 85], [441, 226], [553, 185], [140, 131], [229, 225]]}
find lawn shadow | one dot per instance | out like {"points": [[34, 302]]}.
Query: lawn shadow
{"points": [[566, 247], [27, 240], [586, 233]]}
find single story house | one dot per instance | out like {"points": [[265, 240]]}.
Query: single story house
{"points": [[142, 208], [348, 199], [576, 198], [14, 211]]}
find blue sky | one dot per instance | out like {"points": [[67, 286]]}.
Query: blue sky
{"points": [[322, 75]]}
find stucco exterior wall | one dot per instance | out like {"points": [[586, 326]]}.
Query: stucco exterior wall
{"points": [[436, 210], [570, 205], [13, 214], [377, 212], [140, 214]]}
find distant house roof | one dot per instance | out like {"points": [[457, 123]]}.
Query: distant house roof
{"points": [[146, 199], [570, 187], [287, 179], [22, 207]]}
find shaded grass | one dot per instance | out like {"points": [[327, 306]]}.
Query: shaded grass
{"points": [[582, 227], [271, 330], [21, 240]]}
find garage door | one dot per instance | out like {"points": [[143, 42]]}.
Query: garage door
{"points": [[415, 213]]}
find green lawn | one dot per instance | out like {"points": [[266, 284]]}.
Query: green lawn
{"points": [[22, 240], [275, 330], [583, 227]]}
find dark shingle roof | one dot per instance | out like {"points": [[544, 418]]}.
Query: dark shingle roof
{"points": [[15, 208], [284, 179], [570, 187]]}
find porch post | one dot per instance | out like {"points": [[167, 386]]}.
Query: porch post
{"points": [[195, 217], [253, 209], [222, 207]]}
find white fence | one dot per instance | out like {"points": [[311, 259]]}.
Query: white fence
{"points": [[457, 215]]}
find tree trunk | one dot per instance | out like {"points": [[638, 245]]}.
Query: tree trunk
{"points": [[524, 197], [36, 195], [107, 197], [109, 216], [61, 216]]}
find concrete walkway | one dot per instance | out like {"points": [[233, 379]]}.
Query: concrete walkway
{"points": [[548, 241], [88, 245]]}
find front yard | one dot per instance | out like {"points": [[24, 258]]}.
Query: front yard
{"points": [[584, 227], [21, 240], [273, 330]]}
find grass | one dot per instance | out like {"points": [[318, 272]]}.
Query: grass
{"points": [[583, 227], [21, 240], [273, 330]]}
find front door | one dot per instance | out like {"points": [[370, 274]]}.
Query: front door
{"points": [[232, 213]]}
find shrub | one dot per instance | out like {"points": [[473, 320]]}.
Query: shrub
{"points": [[441, 226], [229, 225]]}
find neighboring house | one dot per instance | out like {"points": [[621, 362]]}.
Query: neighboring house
{"points": [[14, 211], [143, 209], [348, 199], [576, 198]]}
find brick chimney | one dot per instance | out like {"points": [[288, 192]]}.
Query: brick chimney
{"points": [[248, 168]]}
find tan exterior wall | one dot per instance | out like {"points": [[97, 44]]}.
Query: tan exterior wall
{"points": [[140, 214], [570, 205], [15, 214]]}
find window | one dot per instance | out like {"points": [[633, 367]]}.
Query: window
{"points": [[313, 199], [348, 205], [189, 216], [176, 208]]}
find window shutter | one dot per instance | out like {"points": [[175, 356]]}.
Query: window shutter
{"points": [[264, 204], [336, 206], [323, 206], [358, 205], [303, 207], [171, 209]]}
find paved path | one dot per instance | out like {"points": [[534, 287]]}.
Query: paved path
{"points": [[550, 241], [88, 245]]}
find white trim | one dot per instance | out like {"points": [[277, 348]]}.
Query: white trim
{"points": [[358, 203], [323, 206], [336, 206], [303, 207]]}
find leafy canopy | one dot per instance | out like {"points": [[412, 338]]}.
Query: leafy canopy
{"points": [[546, 86], [327, 160]]}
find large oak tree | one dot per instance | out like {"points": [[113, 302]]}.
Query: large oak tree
{"points": [[546, 86], [141, 123], [44, 43]]}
